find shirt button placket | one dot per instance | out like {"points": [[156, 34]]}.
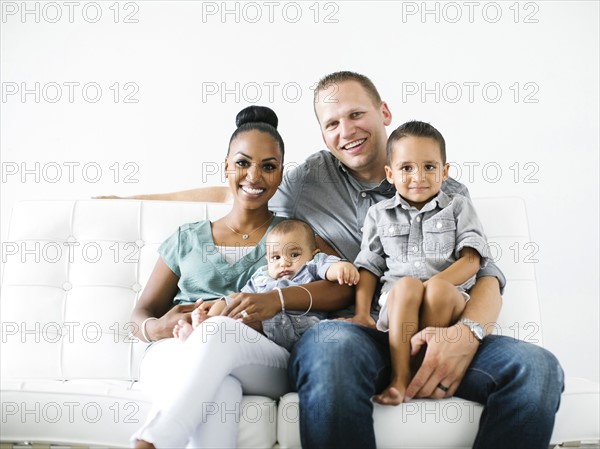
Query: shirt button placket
{"points": [[361, 211], [415, 242]]}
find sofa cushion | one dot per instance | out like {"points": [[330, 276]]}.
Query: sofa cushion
{"points": [[104, 412], [73, 271]]}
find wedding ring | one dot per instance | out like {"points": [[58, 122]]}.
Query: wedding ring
{"points": [[441, 387], [244, 314]]}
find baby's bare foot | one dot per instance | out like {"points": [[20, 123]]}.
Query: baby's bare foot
{"points": [[182, 330]]}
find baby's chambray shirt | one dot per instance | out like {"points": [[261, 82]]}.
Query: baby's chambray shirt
{"points": [[400, 240]]}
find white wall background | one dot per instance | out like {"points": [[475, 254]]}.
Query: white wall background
{"points": [[512, 86]]}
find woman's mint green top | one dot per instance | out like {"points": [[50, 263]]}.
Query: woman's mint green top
{"points": [[203, 271]]}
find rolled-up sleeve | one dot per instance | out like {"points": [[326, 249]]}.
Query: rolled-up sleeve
{"points": [[491, 269], [371, 255], [469, 223], [320, 264], [285, 201], [469, 230]]}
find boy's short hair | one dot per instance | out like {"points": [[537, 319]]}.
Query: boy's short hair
{"points": [[415, 128], [295, 225], [343, 76]]}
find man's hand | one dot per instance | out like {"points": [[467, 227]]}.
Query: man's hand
{"points": [[448, 355], [217, 194]]}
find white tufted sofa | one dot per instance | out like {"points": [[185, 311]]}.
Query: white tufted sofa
{"points": [[72, 273]]}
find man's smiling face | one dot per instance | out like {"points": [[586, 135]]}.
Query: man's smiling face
{"points": [[353, 127]]}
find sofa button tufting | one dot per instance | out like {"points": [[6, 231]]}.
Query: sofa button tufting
{"points": [[136, 287], [67, 286]]}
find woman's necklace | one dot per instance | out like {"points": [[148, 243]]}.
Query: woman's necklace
{"points": [[247, 235]]}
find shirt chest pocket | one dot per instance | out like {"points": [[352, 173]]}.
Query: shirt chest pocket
{"points": [[439, 237], [394, 238]]}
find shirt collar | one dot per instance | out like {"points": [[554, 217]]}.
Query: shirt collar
{"points": [[341, 167], [441, 200], [384, 187]]}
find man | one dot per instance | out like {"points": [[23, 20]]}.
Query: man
{"points": [[336, 372], [520, 384]]}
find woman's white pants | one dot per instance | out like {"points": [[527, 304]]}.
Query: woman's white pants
{"points": [[197, 386]]}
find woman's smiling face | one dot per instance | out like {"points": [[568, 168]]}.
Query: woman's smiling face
{"points": [[254, 168]]}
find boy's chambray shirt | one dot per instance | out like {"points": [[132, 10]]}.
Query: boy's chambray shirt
{"points": [[400, 240]]}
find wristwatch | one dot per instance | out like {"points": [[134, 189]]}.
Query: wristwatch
{"points": [[474, 327]]}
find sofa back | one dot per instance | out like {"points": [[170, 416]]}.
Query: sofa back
{"points": [[73, 271]]}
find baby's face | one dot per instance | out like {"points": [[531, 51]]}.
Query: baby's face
{"points": [[287, 253]]}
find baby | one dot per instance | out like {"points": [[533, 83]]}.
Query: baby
{"points": [[292, 259]]}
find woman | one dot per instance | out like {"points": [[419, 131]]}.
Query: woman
{"points": [[222, 358]]}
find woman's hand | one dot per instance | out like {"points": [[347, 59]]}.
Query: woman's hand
{"points": [[163, 327], [253, 307], [321, 296]]}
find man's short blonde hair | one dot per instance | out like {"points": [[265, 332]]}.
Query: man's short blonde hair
{"points": [[340, 77]]}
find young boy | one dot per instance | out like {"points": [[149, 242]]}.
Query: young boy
{"points": [[292, 259], [425, 245]]}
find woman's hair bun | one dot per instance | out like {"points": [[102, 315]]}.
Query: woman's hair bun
{"points": [[257, 114], [257, 118]]}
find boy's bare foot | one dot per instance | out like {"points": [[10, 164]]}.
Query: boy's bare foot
{"points": [[390, 396], [141, 444], [182, 331]]}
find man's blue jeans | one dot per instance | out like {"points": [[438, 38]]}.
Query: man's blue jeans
{"points": [[337, 366]]}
